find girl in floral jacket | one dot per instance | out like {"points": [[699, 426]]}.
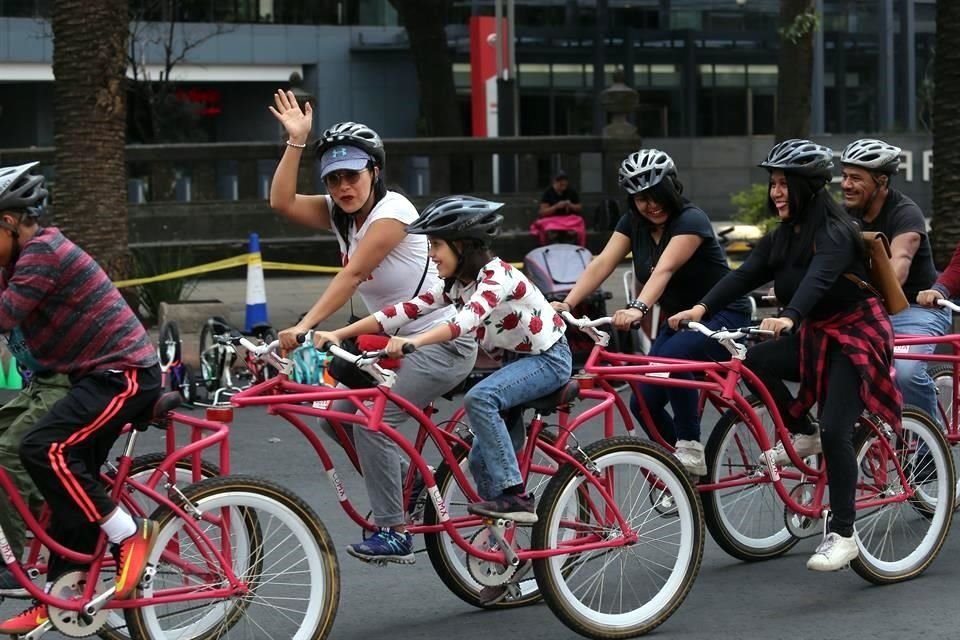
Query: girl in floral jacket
{"points": [[507, 314]]}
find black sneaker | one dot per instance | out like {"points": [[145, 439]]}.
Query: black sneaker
{"points": [[520, 509], [9, 587]]}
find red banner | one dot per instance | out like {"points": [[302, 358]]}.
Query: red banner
{"points": [[483, 73]]}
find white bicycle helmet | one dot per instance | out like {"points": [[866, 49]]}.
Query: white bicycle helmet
{"points": [[20, 190], [871, 154], [801, 157], [644, 169]]}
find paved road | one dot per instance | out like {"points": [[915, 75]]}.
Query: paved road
{"points": [[770, 600]]}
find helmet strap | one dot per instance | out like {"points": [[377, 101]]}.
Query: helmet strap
{"points": [[877, 185]]}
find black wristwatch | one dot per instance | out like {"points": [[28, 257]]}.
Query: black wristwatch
{"points": [[638, 304]]}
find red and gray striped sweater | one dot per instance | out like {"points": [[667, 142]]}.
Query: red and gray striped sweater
{"points": [[73, 319]]}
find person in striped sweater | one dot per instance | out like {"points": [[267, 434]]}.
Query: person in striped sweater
{"points": [[74, 321]]}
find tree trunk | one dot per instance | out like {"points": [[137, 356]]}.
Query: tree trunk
{"points": [[89, 115], [796, 69], [424, 21], [946, 134]]}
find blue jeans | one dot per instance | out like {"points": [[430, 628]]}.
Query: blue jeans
{"points": [[686, 345], [493, 460], [915, 383]]}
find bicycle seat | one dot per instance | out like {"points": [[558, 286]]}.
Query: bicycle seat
{"points": [[261, 329], [164, 405], [549, 403], [219, 324]]}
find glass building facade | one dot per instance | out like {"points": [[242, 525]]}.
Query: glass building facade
{"points": [[701, 67]]}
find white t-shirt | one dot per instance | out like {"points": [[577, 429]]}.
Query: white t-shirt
{"points": [[396, 277]]}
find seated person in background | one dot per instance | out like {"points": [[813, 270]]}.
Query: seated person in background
{"points": [[560, 198], [560, 219]]}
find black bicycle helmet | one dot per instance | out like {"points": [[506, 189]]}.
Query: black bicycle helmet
{"points": [[459, 218], [873, 155], [22, 191], [801, 157], [353, 134], [644, 169]]}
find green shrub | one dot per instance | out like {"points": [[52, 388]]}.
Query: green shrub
{"points": [[155, 262], [751, 207]]}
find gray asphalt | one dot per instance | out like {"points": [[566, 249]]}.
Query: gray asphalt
{"points": [[731, 599]]}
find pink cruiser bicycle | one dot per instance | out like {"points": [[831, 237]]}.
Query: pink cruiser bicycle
{"points": [[756, 509], [619, 539], [944, 368], [234, 555]]}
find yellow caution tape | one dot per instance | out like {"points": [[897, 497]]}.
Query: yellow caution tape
{"points": [[285, 266], [226, 263], [237, 261]]}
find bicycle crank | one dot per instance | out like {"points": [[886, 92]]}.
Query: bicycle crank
{"points": [[487, 573], [76, 624], [801, 526]]}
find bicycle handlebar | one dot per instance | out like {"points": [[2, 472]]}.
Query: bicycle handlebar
{"points": [[366, 362], [587, 323], [725, 334], [949, 304]]}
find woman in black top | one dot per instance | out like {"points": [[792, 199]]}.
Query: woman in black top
{"points": [[676, 259], [845, 337]]}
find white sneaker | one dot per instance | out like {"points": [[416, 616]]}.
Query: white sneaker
{"points": [[690, 455], [835, 552], [804, 444]]}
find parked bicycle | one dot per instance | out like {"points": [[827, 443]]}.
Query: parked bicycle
{"points": [[224, 371], [176, 375]]}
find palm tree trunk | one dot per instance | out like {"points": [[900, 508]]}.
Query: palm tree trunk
{"points": [[425, 21], [946, 134], [796, 69], [89, 67]]}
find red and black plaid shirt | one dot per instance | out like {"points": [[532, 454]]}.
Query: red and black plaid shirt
{"points": [[865, 335]]}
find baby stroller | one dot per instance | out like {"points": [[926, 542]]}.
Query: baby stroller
{"points": [[554, 269]]}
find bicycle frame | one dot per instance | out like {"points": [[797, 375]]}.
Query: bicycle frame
{"points": [[719, 385], [952, 421], [204, 434], [291, 400]]}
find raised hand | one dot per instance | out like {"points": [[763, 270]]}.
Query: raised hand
{"points": [[297, 122]]}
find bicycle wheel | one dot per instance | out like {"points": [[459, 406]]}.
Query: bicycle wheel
{"points": [[139, 504], [898, 540], [452, 563], [212, 357], [187, 384], [279, 548], [169, 346], [922, 464], [621, 591], [746, 521], [942, 375]]}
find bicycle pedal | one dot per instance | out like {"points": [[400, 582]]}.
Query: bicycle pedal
{"points": [[500, 523], [148, 575], [490, 596], [38, 632]]}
